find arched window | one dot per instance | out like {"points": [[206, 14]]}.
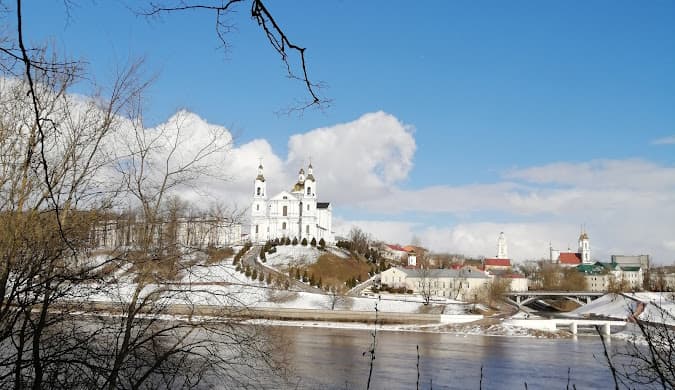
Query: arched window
{"points": [[258, 191], [309, 190], [257, 207], [256, 229], [307, 229], [284, 211], [307, 206], [283, 226]]}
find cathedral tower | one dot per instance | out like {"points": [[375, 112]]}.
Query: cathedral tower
{"points": [[584, 248], [502, 249], [310, 183], [259, 206]]}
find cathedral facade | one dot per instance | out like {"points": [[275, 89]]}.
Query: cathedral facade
{"points": [[293, 214]]}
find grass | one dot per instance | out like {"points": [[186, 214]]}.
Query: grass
{"points": [[335, 271]]}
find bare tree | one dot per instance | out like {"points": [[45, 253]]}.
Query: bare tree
{"points": [[360, 240], [337, 296], [56, 154], [426, 276], [646, 360], [495, 289]]}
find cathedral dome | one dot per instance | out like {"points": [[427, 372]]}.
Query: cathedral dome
{"points": [[298, 187]]}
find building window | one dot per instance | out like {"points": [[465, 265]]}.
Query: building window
{"points": [[256, 229], [285, 197], [308, 207], [283, 226], [257, 207], [309, 190], [307, 229], [285, 211], [258, 191]]}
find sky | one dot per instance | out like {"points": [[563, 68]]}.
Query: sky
{"points": [[450, 121]]}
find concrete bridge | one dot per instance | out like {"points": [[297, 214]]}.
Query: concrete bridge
{"points": [[567, 323], [522, 298]]}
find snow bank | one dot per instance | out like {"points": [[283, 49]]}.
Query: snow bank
{"points": [[659, 307], [293, 255]]}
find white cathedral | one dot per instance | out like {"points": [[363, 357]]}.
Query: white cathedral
{"points": [[294, 214]]}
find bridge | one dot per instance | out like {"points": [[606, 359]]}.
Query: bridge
{"points": [[522, 298], [604, 326]]}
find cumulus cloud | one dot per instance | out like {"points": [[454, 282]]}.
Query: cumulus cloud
{"points": [[369, 156], [627, 205], [359, 160]]}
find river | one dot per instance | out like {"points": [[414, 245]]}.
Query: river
{"points": [[322, 358]]}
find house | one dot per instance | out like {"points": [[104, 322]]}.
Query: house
{"points": [[189, 232], [464, 284], [601, 277], [517, 282], [496, 264], [393, 252]]}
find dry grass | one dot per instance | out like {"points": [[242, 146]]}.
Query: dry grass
{"points": [[154, 270], [334, 270], [216, 255]]}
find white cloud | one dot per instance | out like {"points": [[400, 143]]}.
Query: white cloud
{"points": [[628, 206], [600, 174], [388, 231], [670, 140], [356, 161]]}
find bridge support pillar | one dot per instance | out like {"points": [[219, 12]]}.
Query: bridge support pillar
{"points": [[518, 299], [605, 329], [573, 327], [588, 300]]}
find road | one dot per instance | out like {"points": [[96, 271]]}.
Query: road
{"points": [[251, 259]]}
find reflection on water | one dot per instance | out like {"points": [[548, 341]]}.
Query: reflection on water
{"points": [[334, 359]]}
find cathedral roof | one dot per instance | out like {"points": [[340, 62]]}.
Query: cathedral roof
{"points": [[311, 177], [298, 187], [260, 177], [583, 236], [570, 258]]}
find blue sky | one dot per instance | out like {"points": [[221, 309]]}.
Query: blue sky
{"points": [[488, 90]]}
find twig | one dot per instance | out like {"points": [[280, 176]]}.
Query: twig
{"points": [[609, 361], [372, 347], [418, 367], [480, 385]]}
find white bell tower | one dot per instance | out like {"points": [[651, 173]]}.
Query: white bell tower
{"points": [[584, 248], [502, 249], [259, 208], [260, 187]]}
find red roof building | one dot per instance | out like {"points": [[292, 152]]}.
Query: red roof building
{"points": [[497, 263], [568, 258], [395, 247]]}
